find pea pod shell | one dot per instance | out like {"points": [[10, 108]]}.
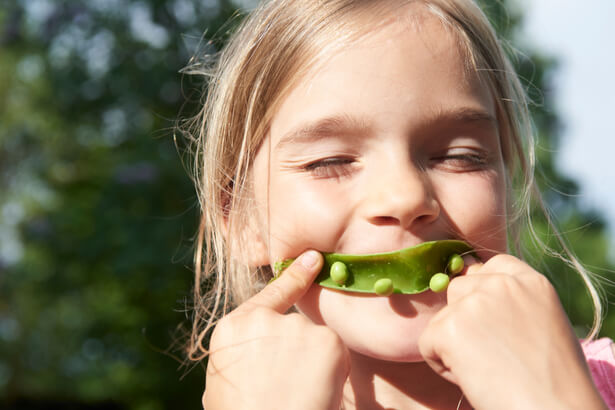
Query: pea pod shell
{"points": [[410, 269]]}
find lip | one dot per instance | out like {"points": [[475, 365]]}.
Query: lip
{"points": [[379, 248]]}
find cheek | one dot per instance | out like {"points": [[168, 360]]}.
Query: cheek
{"points": [[385, 328], [302, 215], [288, 213], [476, 206]]}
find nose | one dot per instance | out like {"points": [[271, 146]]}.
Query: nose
{"points": [[401, 195]]}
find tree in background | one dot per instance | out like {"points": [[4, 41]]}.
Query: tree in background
{"points": [[97, 213], [97, 210], [585, 231]]}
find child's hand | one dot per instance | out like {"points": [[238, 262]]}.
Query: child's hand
{"points": [[505, 340], [263, 359]]}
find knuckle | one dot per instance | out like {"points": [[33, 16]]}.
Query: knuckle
{"points": [[236, 320], [223, 331], [330, 340], [507, 282], [259, 315], [429, 334], [503, 286], [424, 340], [297, 275], [447, 328], [503, 261], [456, 288], [294, 323], [450, 328], [438, 329], [296, 318], [472, 305], [542, 285], [276, 293], [542, 281], [259, 311]]}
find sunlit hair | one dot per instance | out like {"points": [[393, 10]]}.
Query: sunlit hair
{"points": [[270, 51]]}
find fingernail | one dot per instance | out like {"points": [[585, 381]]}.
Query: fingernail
{"points": [[309, 259]]}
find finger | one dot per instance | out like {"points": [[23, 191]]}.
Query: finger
{"points": [[281, 294], [466, 282], [478, 275], [433, 349], [500, 264], [471, 265]]}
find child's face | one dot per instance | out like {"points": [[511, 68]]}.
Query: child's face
{"points": [[388, 144]]}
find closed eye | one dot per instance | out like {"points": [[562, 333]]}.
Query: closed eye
{"points": [[461, 162], [334, 167]]}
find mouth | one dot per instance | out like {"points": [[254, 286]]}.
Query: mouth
{"points": [[427, 266]]}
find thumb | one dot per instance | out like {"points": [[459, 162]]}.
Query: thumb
{"points": [[281, 294]]}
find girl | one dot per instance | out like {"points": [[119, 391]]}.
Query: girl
{"points": [[357, 126]]}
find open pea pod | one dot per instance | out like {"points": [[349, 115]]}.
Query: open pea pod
{"points": [[406, 271]]}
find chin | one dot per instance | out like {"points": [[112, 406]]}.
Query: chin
{"points": [[390, 351], [383, 328]]}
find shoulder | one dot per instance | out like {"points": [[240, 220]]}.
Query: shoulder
{"points": [[600, 357]]}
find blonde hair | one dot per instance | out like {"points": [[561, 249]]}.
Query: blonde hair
{"points": [[271, 49]]}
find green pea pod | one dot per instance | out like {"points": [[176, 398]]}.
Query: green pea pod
{"points": [[410, 269]]}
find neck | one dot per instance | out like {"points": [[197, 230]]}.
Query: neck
{"points": [[377, 384]]}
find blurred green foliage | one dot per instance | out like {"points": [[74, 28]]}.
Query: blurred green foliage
{"points": [[97, 213], [97, 210], [585, 231]]}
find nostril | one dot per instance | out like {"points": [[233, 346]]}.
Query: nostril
{"points": [[385, 220], [406, 207], [394, 221]]}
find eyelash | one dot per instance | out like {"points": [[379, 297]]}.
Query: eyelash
{"points": [[462, 162], [336, 167]]}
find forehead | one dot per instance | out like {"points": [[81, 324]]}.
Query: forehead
{"points": [[411, 57]]}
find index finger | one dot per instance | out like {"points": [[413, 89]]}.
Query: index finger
{"points": [[472, 276], [472, 265], [281, 294], [500, 264]]}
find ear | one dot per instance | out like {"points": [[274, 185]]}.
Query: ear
{"points": [[252, 247], [246, 241]]}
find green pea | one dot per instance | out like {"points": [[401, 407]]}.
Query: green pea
{"points": [[455, 264], [439, 282], [383, 287], [339, 272]]}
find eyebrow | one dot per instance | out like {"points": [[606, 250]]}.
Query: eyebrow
{"points": [[464, 115], [337, 125], [347, 125]]}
